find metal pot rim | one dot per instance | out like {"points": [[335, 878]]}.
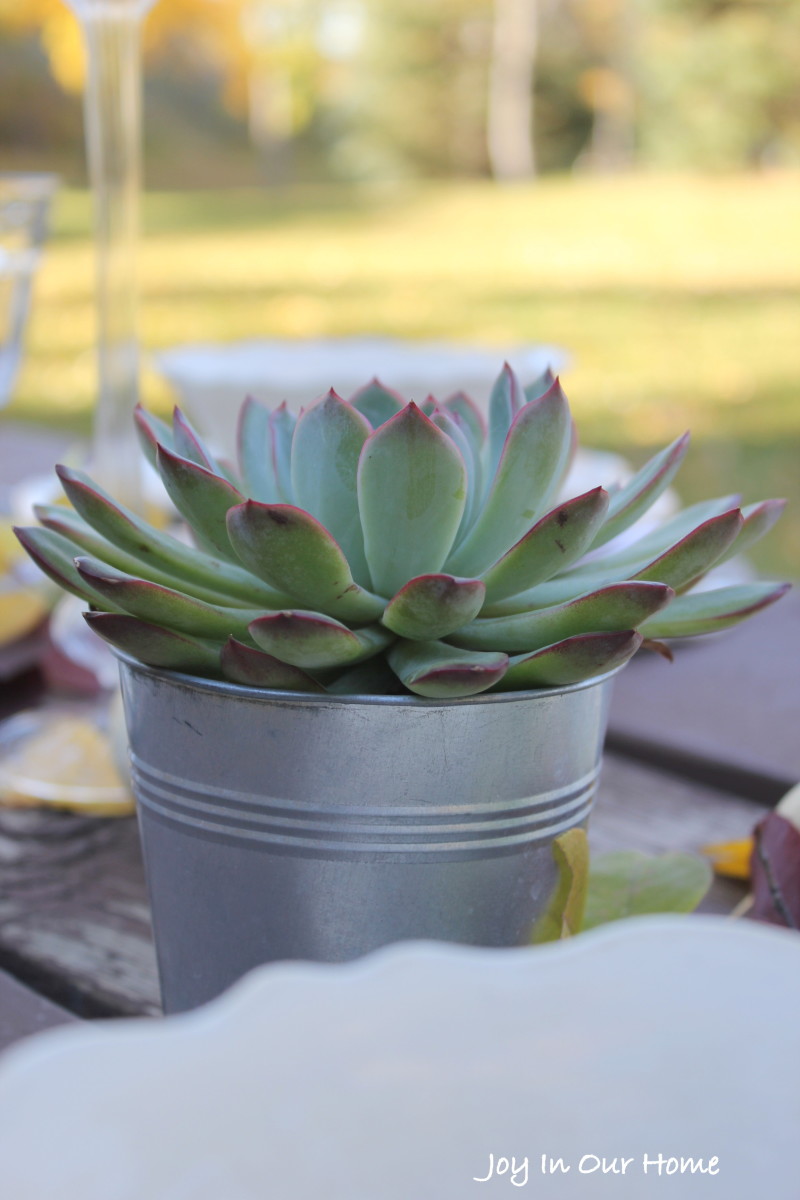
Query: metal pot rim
{"points": [[225, 687]]}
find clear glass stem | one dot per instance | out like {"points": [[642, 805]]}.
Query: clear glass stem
{"points": [[113, 138]]}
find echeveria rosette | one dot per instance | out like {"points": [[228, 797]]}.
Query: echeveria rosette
{"points": [[376, 546]]}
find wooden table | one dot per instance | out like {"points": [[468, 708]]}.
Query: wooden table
{"points": [[696, 751]]}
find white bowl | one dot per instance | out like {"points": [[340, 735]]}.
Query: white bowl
{"points": [[213, 380]]}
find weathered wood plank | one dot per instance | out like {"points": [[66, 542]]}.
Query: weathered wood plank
{"points": [[74, 916], [725, 712], [23, 1012], [73, 911]]}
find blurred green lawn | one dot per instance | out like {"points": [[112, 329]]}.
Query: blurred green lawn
{"points": [[678, 298]]}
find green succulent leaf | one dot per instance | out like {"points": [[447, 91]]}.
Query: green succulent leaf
{"points": [[572, 661], [86, 541], [758, 519], [557, 540], [712, 610], [412, 488], [255, 668], [679, 567], [505, 401], [438, 671], [130, 533], [372, 678], [377, 403], [462, 406], [279, 542], [201, 496], [314, 641], [151, 432], [532, 462], [162, 605], [540, 385], [563, 916], [327, 444], [620, 606], [187, 442], [281, 428], [254, 441], [54, 554], [432, 606], [657, 541], [452, 425], [626, 883], [694, 554], [630, 502], [154, 646]]}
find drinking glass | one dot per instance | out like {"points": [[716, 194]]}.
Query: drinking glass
{"points": [[24, 210], [111, 31]]}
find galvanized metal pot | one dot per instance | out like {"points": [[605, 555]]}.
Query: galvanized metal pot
{"points": [[280, 826]]}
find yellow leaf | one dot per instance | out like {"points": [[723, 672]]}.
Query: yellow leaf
{"points": [[564, 914], [21, 610], [10, 549], [63, 762], [731, 859]]}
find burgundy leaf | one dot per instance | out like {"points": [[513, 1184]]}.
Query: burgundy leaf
{"points": [[775, 872]]}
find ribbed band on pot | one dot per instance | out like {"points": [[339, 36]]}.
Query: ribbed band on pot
{"points": [[413, 832]]}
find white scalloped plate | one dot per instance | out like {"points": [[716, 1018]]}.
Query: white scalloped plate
{"points": [[396, 1078], [213, 379]]}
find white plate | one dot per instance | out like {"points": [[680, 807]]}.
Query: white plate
{"points": [[415, 1072]]}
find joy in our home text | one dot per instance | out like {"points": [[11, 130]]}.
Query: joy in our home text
{"points": [[519, 1170]]}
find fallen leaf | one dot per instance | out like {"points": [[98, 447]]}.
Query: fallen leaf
{"points": [[564, 914], [775, 872], [730, 859], [627, 883]]}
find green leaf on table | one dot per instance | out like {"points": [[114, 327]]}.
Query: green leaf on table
{"points": [[627, 883], [564, 914]]}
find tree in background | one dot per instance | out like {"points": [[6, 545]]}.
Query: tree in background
{"points": [[509, 116], [373, 88]]}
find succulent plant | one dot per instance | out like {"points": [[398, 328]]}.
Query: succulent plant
{"points": [[372, 545]]}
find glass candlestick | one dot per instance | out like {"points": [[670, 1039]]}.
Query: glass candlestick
{"points": [[111, 31]]}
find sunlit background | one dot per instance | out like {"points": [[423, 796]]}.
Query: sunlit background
{"points": [[618, 177]]}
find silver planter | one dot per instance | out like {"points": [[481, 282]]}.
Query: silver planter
{"points": [[279, 826]]}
